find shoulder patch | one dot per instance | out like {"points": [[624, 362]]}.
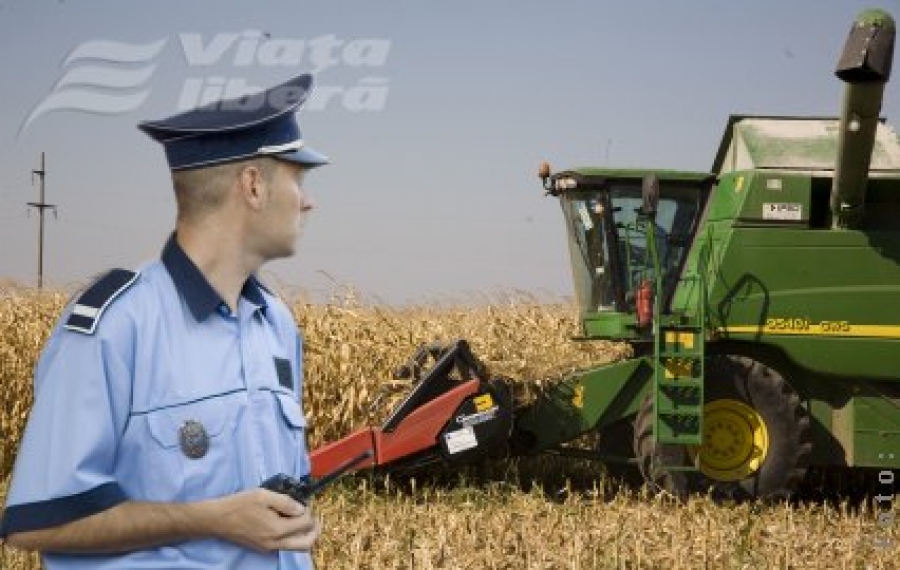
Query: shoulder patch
{"points": [[90, 305]]}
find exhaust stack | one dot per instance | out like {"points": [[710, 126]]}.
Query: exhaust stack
{"points": [[865, 67]]}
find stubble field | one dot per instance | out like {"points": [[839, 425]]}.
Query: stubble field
{"points": [[490, 520]]}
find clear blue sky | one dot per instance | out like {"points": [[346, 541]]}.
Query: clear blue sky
{"points": [[433, 196]]}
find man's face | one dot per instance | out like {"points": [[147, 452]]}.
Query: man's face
{"points": [[286, 210]]}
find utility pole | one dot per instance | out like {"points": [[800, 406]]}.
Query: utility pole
{"points": [[41, 206]]}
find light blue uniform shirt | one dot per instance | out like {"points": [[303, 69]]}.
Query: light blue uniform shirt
{"points": [[110, 406]]}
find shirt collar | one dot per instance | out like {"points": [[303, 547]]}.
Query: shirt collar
{"points": [[199, 295]]}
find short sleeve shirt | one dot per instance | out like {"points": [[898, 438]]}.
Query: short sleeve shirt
{"points": [[173, 398]]}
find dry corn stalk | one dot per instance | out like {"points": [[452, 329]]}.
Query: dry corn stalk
{"points": [[351, 352]]}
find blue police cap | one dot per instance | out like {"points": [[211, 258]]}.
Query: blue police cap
{"points": [[262, 124]]}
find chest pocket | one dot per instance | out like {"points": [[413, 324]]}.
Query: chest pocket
{"points": [[293, 455], [194, 445]]}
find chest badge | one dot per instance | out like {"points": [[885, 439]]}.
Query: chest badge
{"points": [[193, 439]]}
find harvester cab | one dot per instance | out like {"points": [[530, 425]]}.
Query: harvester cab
{"points": [[760, 298], [629, 232]]}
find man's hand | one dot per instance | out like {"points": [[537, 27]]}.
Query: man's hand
{"points": [[259, 519], [264, 520]]}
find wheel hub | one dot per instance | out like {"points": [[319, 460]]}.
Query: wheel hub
{"points": [[735, 440]]}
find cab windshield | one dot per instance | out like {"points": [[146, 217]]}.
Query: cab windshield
{"points": [[609, 246]]}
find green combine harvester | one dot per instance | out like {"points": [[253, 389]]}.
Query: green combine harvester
{"points": [[762, 300]]}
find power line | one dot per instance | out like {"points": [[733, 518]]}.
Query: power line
{"points": [[41, 207]]}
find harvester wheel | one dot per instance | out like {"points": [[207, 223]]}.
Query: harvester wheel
{"points": [[654, 459], [756, 436]]}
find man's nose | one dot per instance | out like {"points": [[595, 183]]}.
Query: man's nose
{"points": [[306, 202]]}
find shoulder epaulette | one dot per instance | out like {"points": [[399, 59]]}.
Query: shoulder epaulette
{"points": [[90, 305]]}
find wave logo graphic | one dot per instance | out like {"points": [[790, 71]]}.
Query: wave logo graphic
{"points": [[102, 77]]}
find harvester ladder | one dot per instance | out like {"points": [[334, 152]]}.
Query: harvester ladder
{"points": [[678, 362], [679, 351]]}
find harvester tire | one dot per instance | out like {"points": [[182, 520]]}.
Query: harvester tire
{"points": [[740, 394], [653, 459]]}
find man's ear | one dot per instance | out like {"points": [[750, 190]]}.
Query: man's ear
{"points": [[252, 185]]}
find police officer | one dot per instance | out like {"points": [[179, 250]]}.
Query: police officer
{"points": [[165, 396]]}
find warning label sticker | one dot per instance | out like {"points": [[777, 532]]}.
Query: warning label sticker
{"points": [[483, 402], [477, 418], [460, 440], [782, 211]]}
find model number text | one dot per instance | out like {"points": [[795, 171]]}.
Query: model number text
{"points": [[800, 324]]}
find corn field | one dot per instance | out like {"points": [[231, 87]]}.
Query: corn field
{"points": [[501, 521]]}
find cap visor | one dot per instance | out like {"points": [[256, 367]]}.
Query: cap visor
{"points": [[305, 156]]}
